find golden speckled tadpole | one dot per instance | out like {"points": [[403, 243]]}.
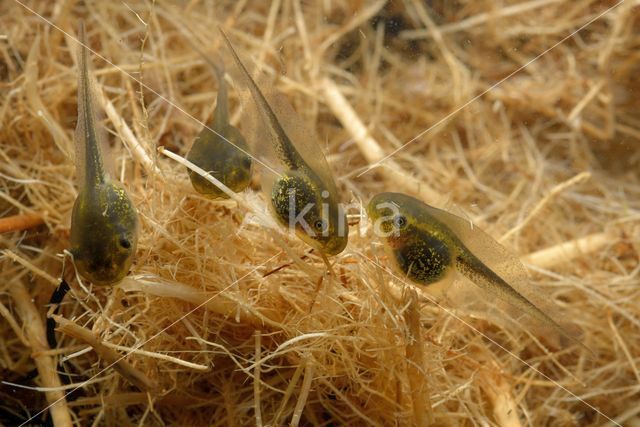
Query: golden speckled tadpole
{"points": [[217, 151], [426, 244], [303, 193], [104, 223]]}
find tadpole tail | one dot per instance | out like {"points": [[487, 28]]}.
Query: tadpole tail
{"points": [[485, 278], [87, 138], [283, 145], [222, 106], [221, 116], [56, 298]]}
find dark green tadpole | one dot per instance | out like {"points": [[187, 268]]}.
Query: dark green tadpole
{"points": [[220, 149], [426, 244], [104, 222], [303, 193]]}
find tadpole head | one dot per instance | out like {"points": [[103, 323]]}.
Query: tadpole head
{"points": [[104, 233], [301, 203]]}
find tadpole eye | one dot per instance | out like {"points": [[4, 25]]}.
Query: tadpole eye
{"points": [[125, 243], [320, 225], [400, 221]]}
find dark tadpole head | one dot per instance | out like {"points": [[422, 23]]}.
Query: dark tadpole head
{"points": [[419, 249], [104, 233], [301, 203], [225, 156]]}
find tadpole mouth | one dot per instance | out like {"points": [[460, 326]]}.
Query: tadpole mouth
{"points": [[335, 245], [396, 242]]}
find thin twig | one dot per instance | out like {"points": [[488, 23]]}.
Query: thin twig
{"points": [[368, 146], [20, 222], [131, 374], [566, 252], [35, 332], [581, 177]]}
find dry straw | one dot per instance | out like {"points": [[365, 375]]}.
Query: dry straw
{"points": [[227, 321]]}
